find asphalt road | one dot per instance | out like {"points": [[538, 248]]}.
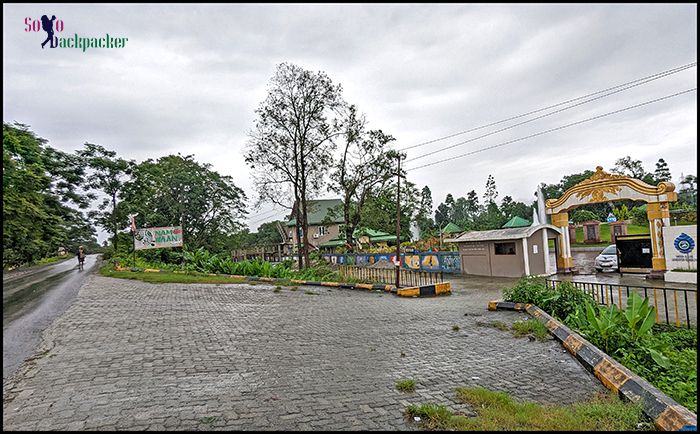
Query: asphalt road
{"points": [[31, 300]]}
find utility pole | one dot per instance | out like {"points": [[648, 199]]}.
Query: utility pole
{"points": [[398, 222]]}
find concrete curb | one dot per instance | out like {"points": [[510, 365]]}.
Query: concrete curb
{"points": [[666, 413], [418, 291], [426, 290]]}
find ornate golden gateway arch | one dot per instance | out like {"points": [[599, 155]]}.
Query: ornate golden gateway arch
{"points": [[604, 187]]}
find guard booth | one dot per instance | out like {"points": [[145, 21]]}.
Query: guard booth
{"points": [[634, 253]]}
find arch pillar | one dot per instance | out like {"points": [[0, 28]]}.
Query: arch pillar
{"points": [[564, 260], [659, 216]]}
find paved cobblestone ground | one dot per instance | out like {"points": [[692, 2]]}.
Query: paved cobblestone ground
{"points": [[132, 355]]}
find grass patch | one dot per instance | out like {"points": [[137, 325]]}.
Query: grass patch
{"points": [[437, 417], [278, 289], [294, 288], [500, 325], [532, 327], [168, 277], [498, 411], [407, 385], [455, 327], [310, 293]]}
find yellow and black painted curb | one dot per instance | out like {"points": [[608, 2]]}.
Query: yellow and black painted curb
{"points": [[426, 290], [418, 291], [666, 413]]}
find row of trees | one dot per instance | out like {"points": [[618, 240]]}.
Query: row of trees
{"points": [[46, 193], [467, 212], [41, 203]]}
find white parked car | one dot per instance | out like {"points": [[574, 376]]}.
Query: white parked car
{"points": [[607, 260]]}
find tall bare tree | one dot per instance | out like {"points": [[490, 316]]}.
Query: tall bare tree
{"points": [[291, 144]]}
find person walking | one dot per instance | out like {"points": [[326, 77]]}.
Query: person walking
{"points": [[81, 257]]}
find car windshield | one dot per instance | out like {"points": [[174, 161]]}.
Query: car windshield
{"points": [[610, 250]]}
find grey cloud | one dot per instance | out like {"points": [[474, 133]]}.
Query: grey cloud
{"points": [[191, 77]]}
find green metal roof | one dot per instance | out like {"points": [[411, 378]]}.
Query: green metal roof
{"points": [[318, 209], [451, 228], [384, 238], [371, 233], [516, 222], [333, 243]]}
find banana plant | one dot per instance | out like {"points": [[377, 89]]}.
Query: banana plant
{"points": [[604, 323], [640, 315]]}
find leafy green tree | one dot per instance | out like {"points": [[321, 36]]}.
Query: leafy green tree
{"points": [[40, 190], [582, 215], [629, 167], [442, 215], [380, 210], [662, 172], [511, 208], [688, 191], [473, 206], [176, 190], [460, 212], [363, 168], [639, 215], [291, 145], [107, 174], [490, 218], [267, 234]]}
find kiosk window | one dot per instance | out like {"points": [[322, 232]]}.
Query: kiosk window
{"points": [[505, 248]]}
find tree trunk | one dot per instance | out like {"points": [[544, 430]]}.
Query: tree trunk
{"points": [[297, 225], [114, 220], [305, 228], [349, 227]]}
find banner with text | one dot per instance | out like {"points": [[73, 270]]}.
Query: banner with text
{"points": [[158, 238]]}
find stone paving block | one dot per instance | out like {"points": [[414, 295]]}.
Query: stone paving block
{"points": [[133, 355]]}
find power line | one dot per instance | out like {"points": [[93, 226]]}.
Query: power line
{"points": [[541, 116], [664, 73], [553, 129], [274, 208], [266, 217]]}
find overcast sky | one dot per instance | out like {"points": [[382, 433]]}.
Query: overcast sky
{"points": [[191, 76]]}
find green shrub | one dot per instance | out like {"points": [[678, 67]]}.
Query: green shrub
{"points": [[529, 289], [559, 302]]}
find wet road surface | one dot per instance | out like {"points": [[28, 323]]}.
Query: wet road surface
{"points": [[31, 300]]}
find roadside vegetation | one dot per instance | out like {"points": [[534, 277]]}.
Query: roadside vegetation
{"points": [[666, 356], [498, 411], [196, 265]]}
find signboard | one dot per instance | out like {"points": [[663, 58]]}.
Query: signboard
{"points": [[158, 238], [680, 247], [611, 218]]}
